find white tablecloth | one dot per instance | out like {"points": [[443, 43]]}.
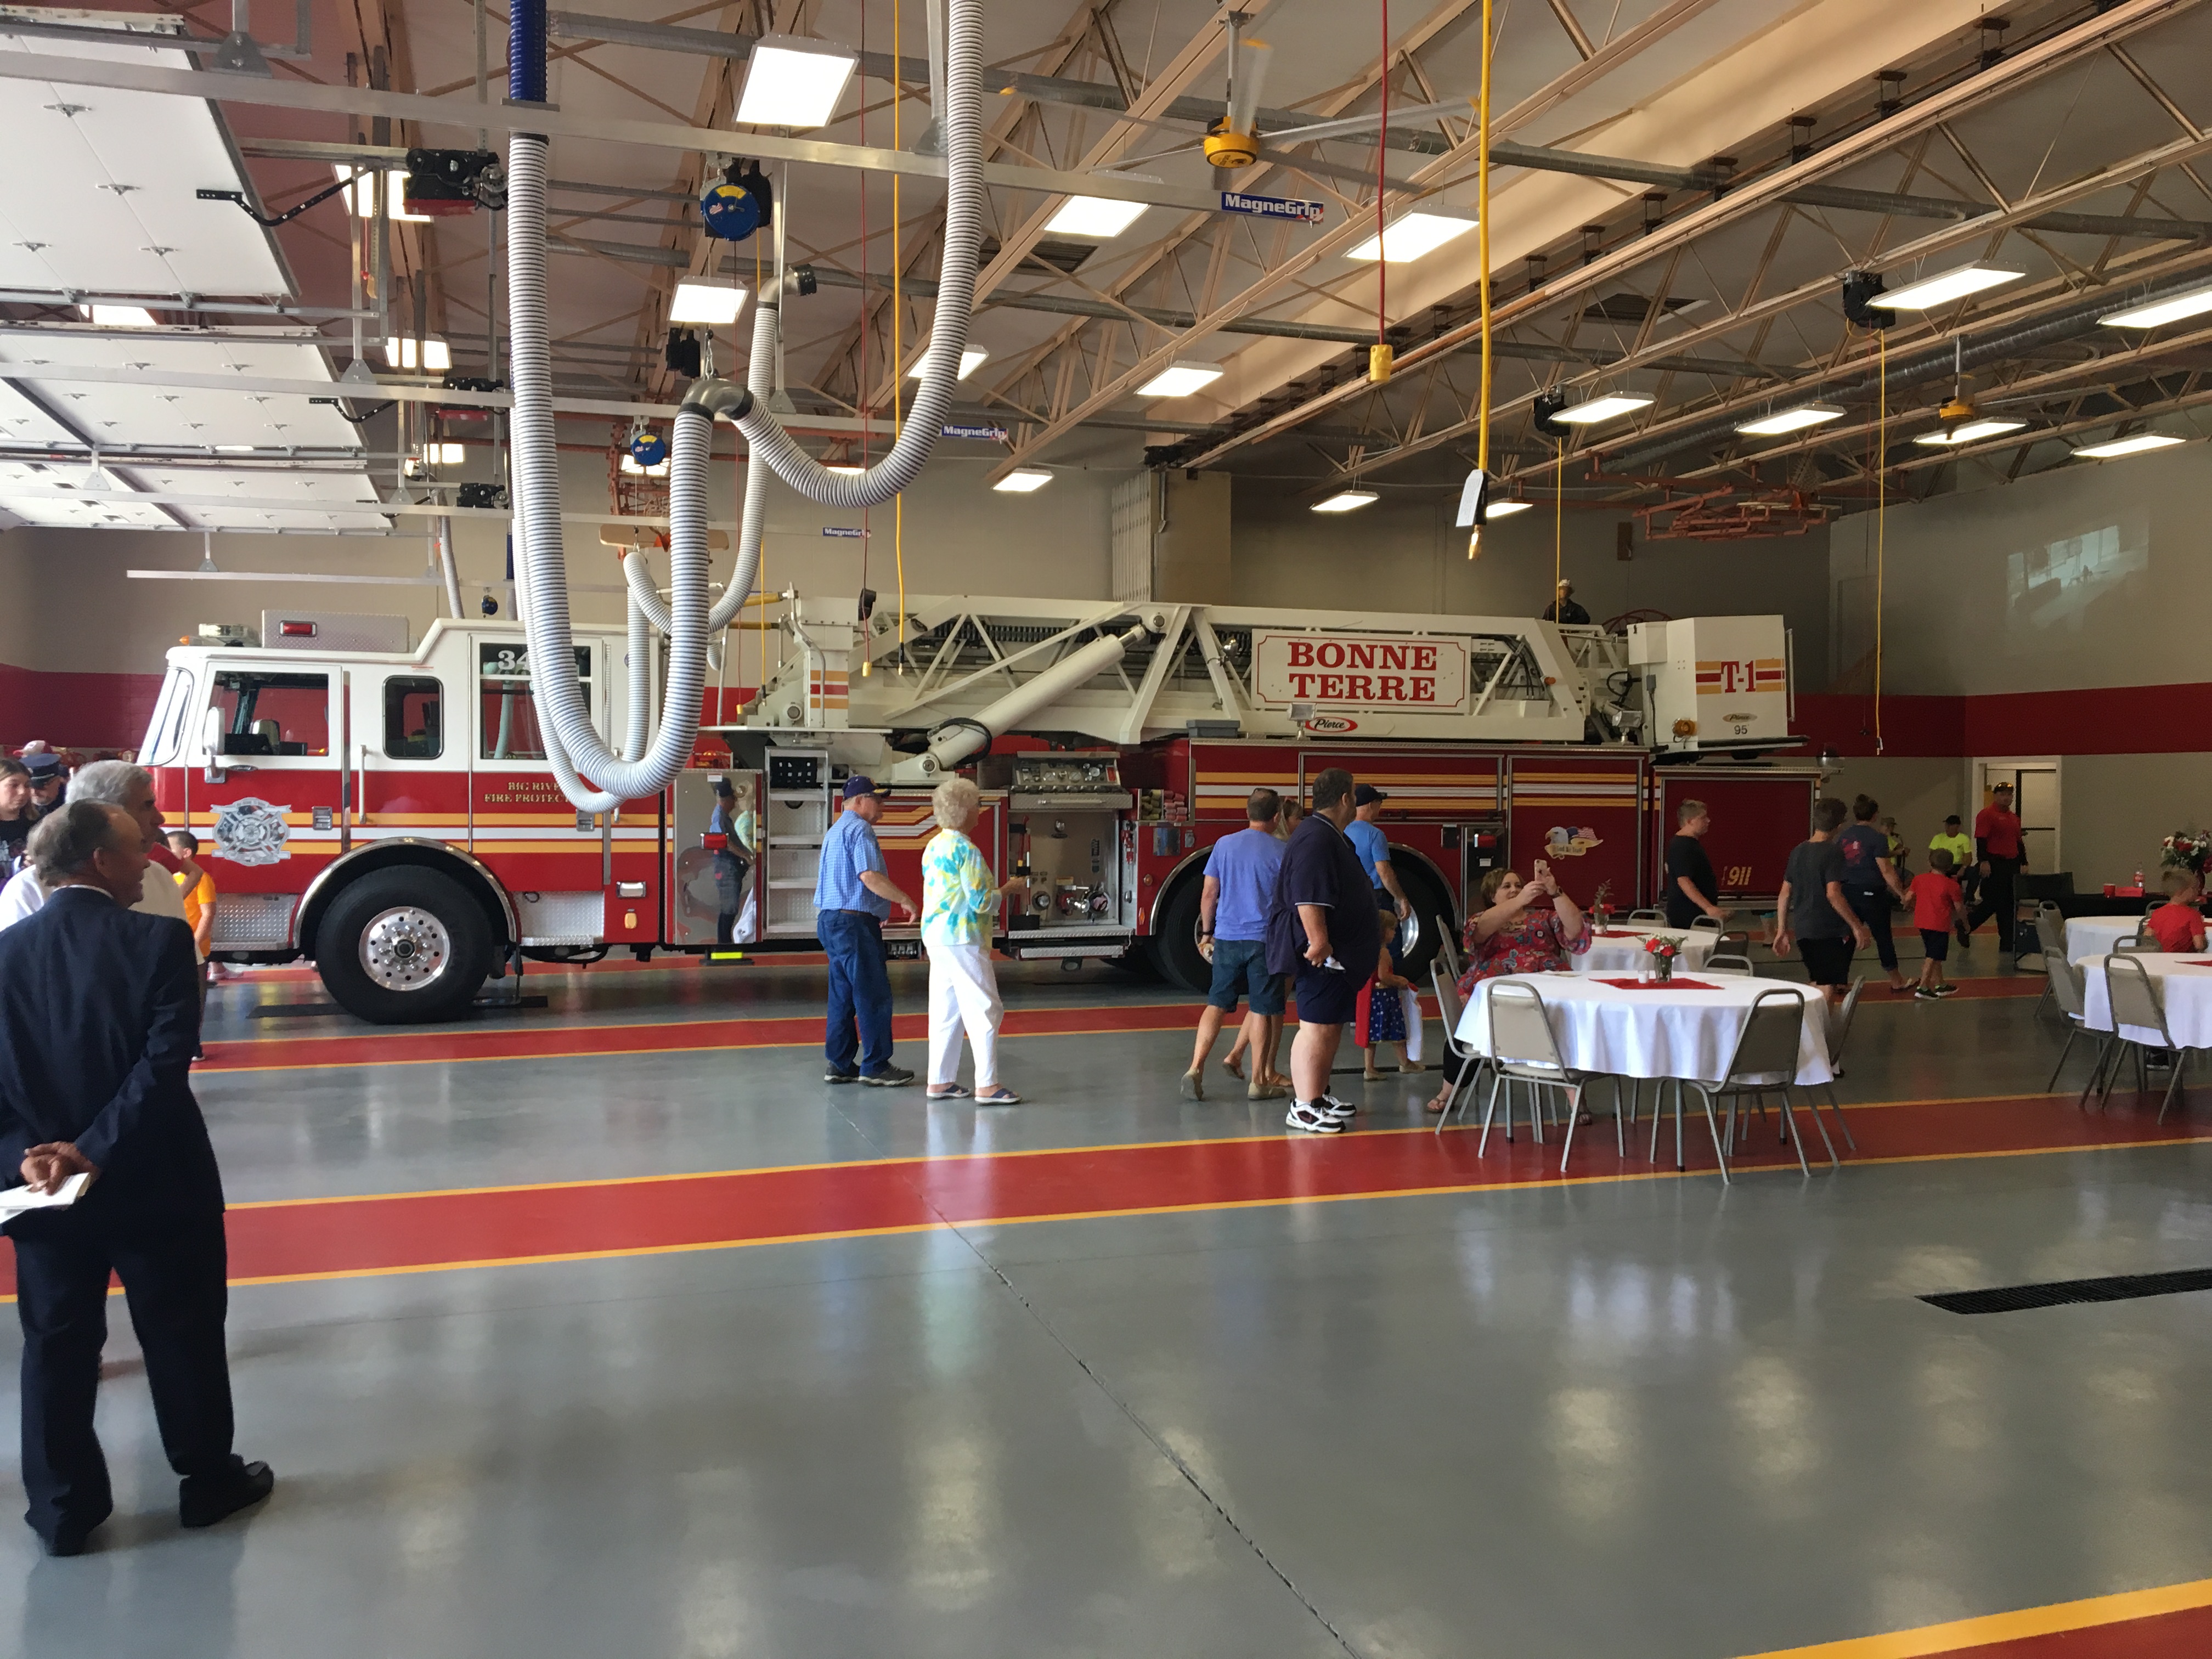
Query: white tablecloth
{"points": [[1658, 1033], [2187, 988], [2093, 936], [1620, 950]]}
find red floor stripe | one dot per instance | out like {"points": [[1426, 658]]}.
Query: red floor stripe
{"points": [[416, 1231], [2184, 1635]]}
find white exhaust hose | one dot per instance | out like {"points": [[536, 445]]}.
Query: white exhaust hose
{"points": [[554, 687], [760, 381], [580, 793], [638, 659], [1030, 698], [955, 299], [448, 568]]}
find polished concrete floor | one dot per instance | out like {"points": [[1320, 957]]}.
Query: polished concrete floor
{"points": [[1634, 1416]]}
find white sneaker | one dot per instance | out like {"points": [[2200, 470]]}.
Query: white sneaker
{"points": [[1330, 1106], [1312, 1117]]}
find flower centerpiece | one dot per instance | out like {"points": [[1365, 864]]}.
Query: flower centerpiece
{"points": [[1662, 951], [2186, 850]]}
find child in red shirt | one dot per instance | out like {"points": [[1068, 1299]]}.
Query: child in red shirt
{"points": [[2178, 925], [1937, 907]]}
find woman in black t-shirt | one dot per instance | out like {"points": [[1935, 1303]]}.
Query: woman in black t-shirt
{"points": [[1871, 880]]}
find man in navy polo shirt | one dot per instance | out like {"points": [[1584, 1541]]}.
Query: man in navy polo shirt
{"points": [[853, 897], [1324, 926], [1232, 921]]}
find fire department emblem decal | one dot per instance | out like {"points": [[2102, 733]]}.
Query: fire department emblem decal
{"points": [[251, 831]]}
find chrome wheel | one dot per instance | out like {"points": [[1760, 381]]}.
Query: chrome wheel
{"points": [[406, 948]]}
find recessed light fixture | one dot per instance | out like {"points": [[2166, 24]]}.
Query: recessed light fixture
{"points": [[1944, 287], [792, 81], [2135, 445], [2192, 304], [1094, 218], [1412, 235], [1506, 509], [431, 356], [1180, 379], [1024, 479], [1791, 420], [1972, 432], [118, 316], [713, 301], [1347, 500], [1601, 408], [971, 358]]}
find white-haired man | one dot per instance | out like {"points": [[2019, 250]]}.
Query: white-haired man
{"points": [[108, 783]]}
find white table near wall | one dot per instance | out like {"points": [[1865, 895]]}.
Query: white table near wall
{"points": [[2184, 982], [2095, 935], [1666, 1031], [1620, 950]]}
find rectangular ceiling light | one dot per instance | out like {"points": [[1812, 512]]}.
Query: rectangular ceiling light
{"points": [[1944, 287], [713, 301], [847, 471], [971, 359], [1347, 500], [1791, 420], [1180, 379], [1093, 218], [636, 469], [1411, 235], [2192, 304], [395, 200], [444, 454], [1024, 479], [1599, 409], [1506, 509], [1972, 432], [431, 356], [118, 316], [2135, 445], [791, 81]]}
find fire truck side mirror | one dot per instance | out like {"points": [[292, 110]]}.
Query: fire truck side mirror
{"points": [[211, 744]]}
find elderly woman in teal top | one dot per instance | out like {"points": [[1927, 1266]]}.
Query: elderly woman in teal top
{"points": [[959, 905]]}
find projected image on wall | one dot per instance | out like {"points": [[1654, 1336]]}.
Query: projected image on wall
{"points": [[2057, 584]]}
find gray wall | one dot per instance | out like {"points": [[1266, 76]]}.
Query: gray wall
{"points": [[2086, 576]]}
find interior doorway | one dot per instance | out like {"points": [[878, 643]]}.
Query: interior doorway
{"points": [[2035, 794]]}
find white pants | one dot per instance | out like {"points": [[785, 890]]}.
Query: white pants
{"points": [[964, 991], [1412, 1000]]}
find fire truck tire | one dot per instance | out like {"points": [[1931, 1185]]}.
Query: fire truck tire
{"points": [[1175, 947], [403, 947], [1431, 908]]}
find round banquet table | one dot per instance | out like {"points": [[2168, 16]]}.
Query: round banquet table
{"points": [[2093, 936], [2184, 982], [1620, 950], [1661, 1032]]}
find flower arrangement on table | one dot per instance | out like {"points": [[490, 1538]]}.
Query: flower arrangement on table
{"points": [[1663, 952], [1601, 905], [2186, 850]]}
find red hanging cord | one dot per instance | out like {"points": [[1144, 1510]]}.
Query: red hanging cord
{"points": [[1381, 150]]}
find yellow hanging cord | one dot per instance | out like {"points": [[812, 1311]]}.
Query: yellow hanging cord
{"points": [[1881, 515], [898, 502], [1482, 241]]}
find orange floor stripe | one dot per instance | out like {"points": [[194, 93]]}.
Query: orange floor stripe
{"points": [[428, 1232]]}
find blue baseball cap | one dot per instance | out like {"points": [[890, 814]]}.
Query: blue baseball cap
{"points": [[860, 784]]}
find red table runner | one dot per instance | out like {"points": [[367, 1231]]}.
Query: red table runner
{"points": [[1677, 983]]}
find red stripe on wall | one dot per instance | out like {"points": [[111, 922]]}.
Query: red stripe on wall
{"points": [[75, 711], [2109, 720]]}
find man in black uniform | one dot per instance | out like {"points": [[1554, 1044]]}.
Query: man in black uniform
{"points": [[100, 1013], [1563, 609]]}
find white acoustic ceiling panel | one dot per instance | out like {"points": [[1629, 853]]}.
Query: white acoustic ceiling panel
{"points": [[98, 194], [23, 421], [99, 500], [323, 497], [139, 410]]}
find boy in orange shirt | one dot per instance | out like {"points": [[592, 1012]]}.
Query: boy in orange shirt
{"points": [[1938, 905], [197, 889]]}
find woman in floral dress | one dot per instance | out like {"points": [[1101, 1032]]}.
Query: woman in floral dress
{"points": [[1524, 928]]}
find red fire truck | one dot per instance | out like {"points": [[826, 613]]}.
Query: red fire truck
{"points": [[385, 808]]}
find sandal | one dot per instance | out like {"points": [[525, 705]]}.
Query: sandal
{"points": [[1229, 1065], [952, 1091], [998, 1095]]}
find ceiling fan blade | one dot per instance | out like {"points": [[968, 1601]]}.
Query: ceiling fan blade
{"points": [[1356, 124], [1248, 78]]}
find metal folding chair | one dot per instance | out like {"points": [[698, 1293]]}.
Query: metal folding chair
{"points": [[2068, 986], [1728, 962], [1524, 1049], [1472, 1065], [2050, 930], [1839, 1032], [1764, 1062], [2137, 1000], [1448, 956], [1656, 916], [1705, 925]]}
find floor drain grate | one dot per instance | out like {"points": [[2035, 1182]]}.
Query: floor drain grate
{"points": [[2121, 1287]]}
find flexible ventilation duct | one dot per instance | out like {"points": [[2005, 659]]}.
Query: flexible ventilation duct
{"points": [[651, 757]]}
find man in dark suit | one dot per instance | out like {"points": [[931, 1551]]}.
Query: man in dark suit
{"points": [[99, 1018]]}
